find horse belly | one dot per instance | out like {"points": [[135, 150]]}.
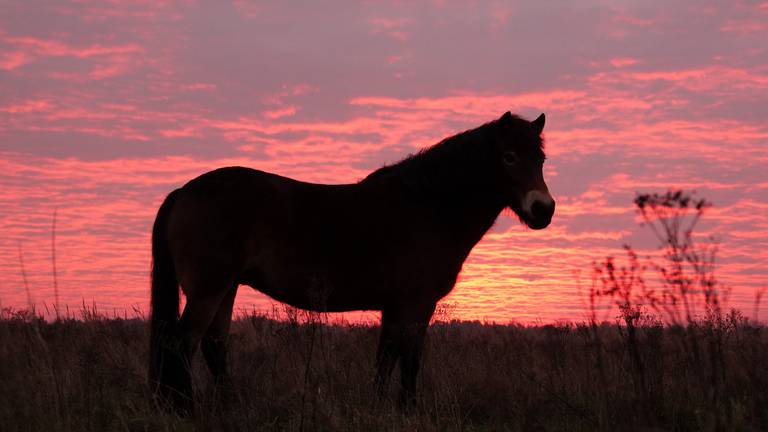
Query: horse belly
{"points": [[312, 290]]}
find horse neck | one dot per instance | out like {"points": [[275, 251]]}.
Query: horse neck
{"points": [[460, 187], [467, 204], [472, 214]]}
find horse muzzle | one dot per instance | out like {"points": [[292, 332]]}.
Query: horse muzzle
{"points": [[538, 210]]}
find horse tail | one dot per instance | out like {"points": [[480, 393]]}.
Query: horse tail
{"points": [[164, 305]]}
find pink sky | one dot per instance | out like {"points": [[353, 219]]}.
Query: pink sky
{"points": [[106, 106]]}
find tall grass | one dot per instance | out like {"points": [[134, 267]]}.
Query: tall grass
{"points": [[673, 358], [305, 374], [685, 295]]}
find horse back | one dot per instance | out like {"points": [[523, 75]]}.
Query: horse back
{"points": [[298, 242]]}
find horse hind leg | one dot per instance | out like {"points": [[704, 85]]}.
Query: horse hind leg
{"points": [[203, 300], [214, 343], [388, 352]]}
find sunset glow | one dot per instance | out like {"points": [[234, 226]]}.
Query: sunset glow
{"points": [[105, 107]]}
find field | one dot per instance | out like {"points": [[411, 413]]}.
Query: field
{"points": [[306, 374]]}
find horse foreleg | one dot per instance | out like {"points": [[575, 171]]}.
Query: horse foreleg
{"points": [[414, 329], [410, 359], [402, 337], [214, 343]]}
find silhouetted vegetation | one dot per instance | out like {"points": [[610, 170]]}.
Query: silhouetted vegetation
{"points": [[665, 354], [304, 374], [683, 297]]}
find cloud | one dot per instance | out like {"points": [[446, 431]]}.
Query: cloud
{"points": [[27, 106], [620, 62], [13, 60], [395, 28], [107, 106], [50, 47]]}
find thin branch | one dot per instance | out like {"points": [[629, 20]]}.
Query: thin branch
{"points": [[24, 278], [53, 260]]}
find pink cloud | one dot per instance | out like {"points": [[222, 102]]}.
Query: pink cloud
{"points": [[49, 47], [109, 60], [700, 79], [394, 59], [636, 21], [180, 133], [201, 87], [117, 65], [247, 8], [500, 14], [101, 119], [479, 105], [715, 78], [13, 60], [288, 91], [280, 112], [28, 106], [620, 62], [394, 28], [744, 27]]}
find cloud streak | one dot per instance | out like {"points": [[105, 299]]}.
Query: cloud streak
{"points": [[109, 106]]}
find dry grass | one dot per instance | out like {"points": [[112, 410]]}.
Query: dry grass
{"points": [[691, 367], [90, 375]]}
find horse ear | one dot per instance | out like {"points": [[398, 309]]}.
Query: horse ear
{"points": [[538, 124], [506, 117]]}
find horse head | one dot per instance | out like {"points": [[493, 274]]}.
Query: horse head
{"points": [[519, 159]]}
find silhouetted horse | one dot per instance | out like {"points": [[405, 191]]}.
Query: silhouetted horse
{"points": [[393, 242]]}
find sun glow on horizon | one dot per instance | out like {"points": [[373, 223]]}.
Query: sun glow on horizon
{"points": [[108, 107]]}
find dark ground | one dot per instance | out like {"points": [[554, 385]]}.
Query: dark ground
{"points": [[89, 375]]}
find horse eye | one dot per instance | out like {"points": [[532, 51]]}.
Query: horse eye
{"points": [[510, 158]]}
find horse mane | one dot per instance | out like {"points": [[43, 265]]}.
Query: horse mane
{"points": [[427, 161], [456, 159]]}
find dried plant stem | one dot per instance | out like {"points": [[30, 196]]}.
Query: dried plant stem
{"points": [[53, 261], [758, 297], [24, 279]]}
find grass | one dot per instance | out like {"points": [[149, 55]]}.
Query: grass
{"points": [[89, 374], [690, 367]]}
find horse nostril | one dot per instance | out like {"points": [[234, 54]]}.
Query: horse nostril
{"points": [[542, 210]]}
